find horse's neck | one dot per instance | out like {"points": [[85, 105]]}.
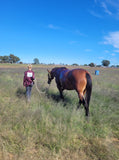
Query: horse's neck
{"points": [[56, 72], [62, 74]]}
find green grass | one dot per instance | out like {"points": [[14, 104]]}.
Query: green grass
{"points": [[49, 129]]}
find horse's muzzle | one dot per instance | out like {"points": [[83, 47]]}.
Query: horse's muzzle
{"points": [[49, 82]]}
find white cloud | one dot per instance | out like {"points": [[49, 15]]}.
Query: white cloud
{"points": [[74, 42], [51, 26], [106, 51], [112, 39], [113, 3], [101, 58], [113, 54], [117, 51], [110, 7], [93, 13], [106, 8], [88, 50], [79, 33], [95, 1]]}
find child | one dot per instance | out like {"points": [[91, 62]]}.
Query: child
{"points": [[28, 81]]}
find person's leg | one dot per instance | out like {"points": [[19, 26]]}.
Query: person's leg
{"points": [[28, 93], [30, 88]]}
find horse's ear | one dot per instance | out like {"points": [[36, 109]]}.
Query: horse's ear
{"points": [[49, 74], [48, 70]]}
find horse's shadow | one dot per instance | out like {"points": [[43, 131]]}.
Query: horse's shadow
{"points": [[20, 92], [56, 97]]}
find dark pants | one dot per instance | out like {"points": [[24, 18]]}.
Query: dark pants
{"points": [[28, 92]]}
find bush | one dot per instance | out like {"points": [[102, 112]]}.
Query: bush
{"points": [[92, 65], [74, 64], [105, 63]]}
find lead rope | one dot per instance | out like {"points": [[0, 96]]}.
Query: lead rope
{"points": [[38, 89]]}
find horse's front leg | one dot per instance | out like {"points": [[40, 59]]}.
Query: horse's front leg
{"points": [[60, 88], [61, 92]]}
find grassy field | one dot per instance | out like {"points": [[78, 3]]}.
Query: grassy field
{"points": [[49, 129]]}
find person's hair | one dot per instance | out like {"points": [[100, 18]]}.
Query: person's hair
{"points": [[29, 66]]}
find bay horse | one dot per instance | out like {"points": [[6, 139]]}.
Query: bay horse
{"points": [[75, 79]]}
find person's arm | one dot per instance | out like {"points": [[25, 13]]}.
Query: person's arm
{"points": [[33, 76], [24, 79]]}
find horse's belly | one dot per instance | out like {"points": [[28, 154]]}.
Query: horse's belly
{"points": [[68, 86]]}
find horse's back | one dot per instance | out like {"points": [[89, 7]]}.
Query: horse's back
{"points": [[78, 73], [71, 79], [78, 78]]}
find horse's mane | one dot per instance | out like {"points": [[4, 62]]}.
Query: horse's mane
{"points": [[58, 68]]}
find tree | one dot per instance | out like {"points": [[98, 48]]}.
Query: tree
{"points": [[9, 59], [92, 65], [117, 65], [1, 59], [74, 64], [13, 59], [36, 61], [4, 59], [98, 65], [105, 63]]}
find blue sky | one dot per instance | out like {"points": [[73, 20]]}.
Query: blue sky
{"points": [[60, 31]]}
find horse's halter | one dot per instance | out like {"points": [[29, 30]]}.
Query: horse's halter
{"points": [[49, 77]]}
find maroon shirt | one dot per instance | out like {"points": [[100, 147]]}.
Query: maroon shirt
{"points": [[28, 78]]}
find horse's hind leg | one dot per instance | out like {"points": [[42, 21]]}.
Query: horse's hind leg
{"points": [[82, 101], [86, 106], [86, 109]]}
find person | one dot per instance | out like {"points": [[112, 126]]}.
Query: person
{"points": [[28, 81]]}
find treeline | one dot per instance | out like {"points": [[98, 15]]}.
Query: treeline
{"points": [[105, 63], [9, 59], [14, 59]]}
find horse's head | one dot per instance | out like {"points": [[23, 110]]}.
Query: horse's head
{"points": [[50, 76]]}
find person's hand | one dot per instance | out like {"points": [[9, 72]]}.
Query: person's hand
{"points": [[34, 81]]}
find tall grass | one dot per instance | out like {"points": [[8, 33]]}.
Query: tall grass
{"points": [[49, 129]]}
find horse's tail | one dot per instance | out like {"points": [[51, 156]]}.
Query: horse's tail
{"points": [[88, 88]]}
